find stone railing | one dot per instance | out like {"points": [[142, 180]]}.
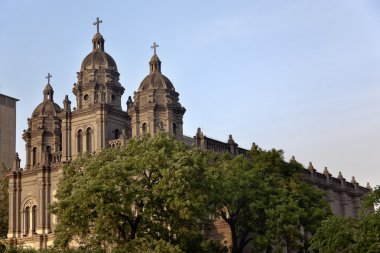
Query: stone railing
{"points": [[326, 180], [114, 143]]}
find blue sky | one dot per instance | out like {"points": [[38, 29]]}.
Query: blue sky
{"points": [[301, 76]]}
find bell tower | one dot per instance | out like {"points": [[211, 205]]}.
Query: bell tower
{"points": [[43, 136], [98, 117], [156, 105], [98, 79]]}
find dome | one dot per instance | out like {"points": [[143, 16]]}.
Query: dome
{"points": [[156, 80], [48, 88], [98, 59], [46, 108]]}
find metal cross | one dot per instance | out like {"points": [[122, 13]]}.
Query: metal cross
{"points": [[48, 77], [97, 24], [155, 45]]}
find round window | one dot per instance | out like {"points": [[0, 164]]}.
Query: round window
{"points": [[86, 97]]}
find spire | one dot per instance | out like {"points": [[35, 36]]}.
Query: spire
{"points": [[48, 91], [155, 63], [98, 41]]}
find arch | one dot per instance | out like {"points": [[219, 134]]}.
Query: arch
{"points": [[88, 140], [29, 216], [144, 128], [34, 156], [79, 141], [117, 134]]}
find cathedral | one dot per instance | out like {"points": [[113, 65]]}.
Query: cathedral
{"points": [[57, 134]]}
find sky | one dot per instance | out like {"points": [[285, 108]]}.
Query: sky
{"points": [[301, 76]]}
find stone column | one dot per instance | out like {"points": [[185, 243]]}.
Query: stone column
{"points": [[39, 229], [18, 205], [12, 191]]}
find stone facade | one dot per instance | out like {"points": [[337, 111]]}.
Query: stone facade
{"points": [[7, 130], [56, 135]]}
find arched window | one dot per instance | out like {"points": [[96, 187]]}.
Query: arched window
{"points": [[34, 156], [79, 141], [117, 134], [174, 129], [30, 218], [88, 140], [144, 128], [27, 220]]}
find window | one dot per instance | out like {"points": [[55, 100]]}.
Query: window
{"points": [[144, 128], [48, 152], [117, 134], [79, 141], [34, 219], [30, 218], [34, 156], [88, 140], [174, 129], [160, 126], [27, 220]]}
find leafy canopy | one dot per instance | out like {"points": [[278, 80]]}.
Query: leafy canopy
{"points": [[152, 187]]}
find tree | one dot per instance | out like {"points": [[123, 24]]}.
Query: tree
{"points": [[152, 187], [294, 210], [264, 201], [3, 201], [349, 234]]}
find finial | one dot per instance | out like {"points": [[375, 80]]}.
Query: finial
{"points": [[67, 103], [310, 167], [353, 180], [155, 45], [97, 22], [340, 176], [16, 165], [369, 186], [326, 172], [48, 77]]}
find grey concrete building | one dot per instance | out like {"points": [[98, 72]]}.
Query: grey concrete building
{"points": [[7, 130]]}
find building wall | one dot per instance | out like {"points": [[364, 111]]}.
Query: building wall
{"points": [[7, 130]]}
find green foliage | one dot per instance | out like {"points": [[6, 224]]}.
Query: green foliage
{"points": [[3, 201], [336, 234], [264, 200], [148, 245], [156, 193], [152, 187], [351, 235]]}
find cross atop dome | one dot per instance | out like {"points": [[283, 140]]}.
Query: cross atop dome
{"points": [[97, 23], [48, 77], [98, 41], [155, 45]]}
